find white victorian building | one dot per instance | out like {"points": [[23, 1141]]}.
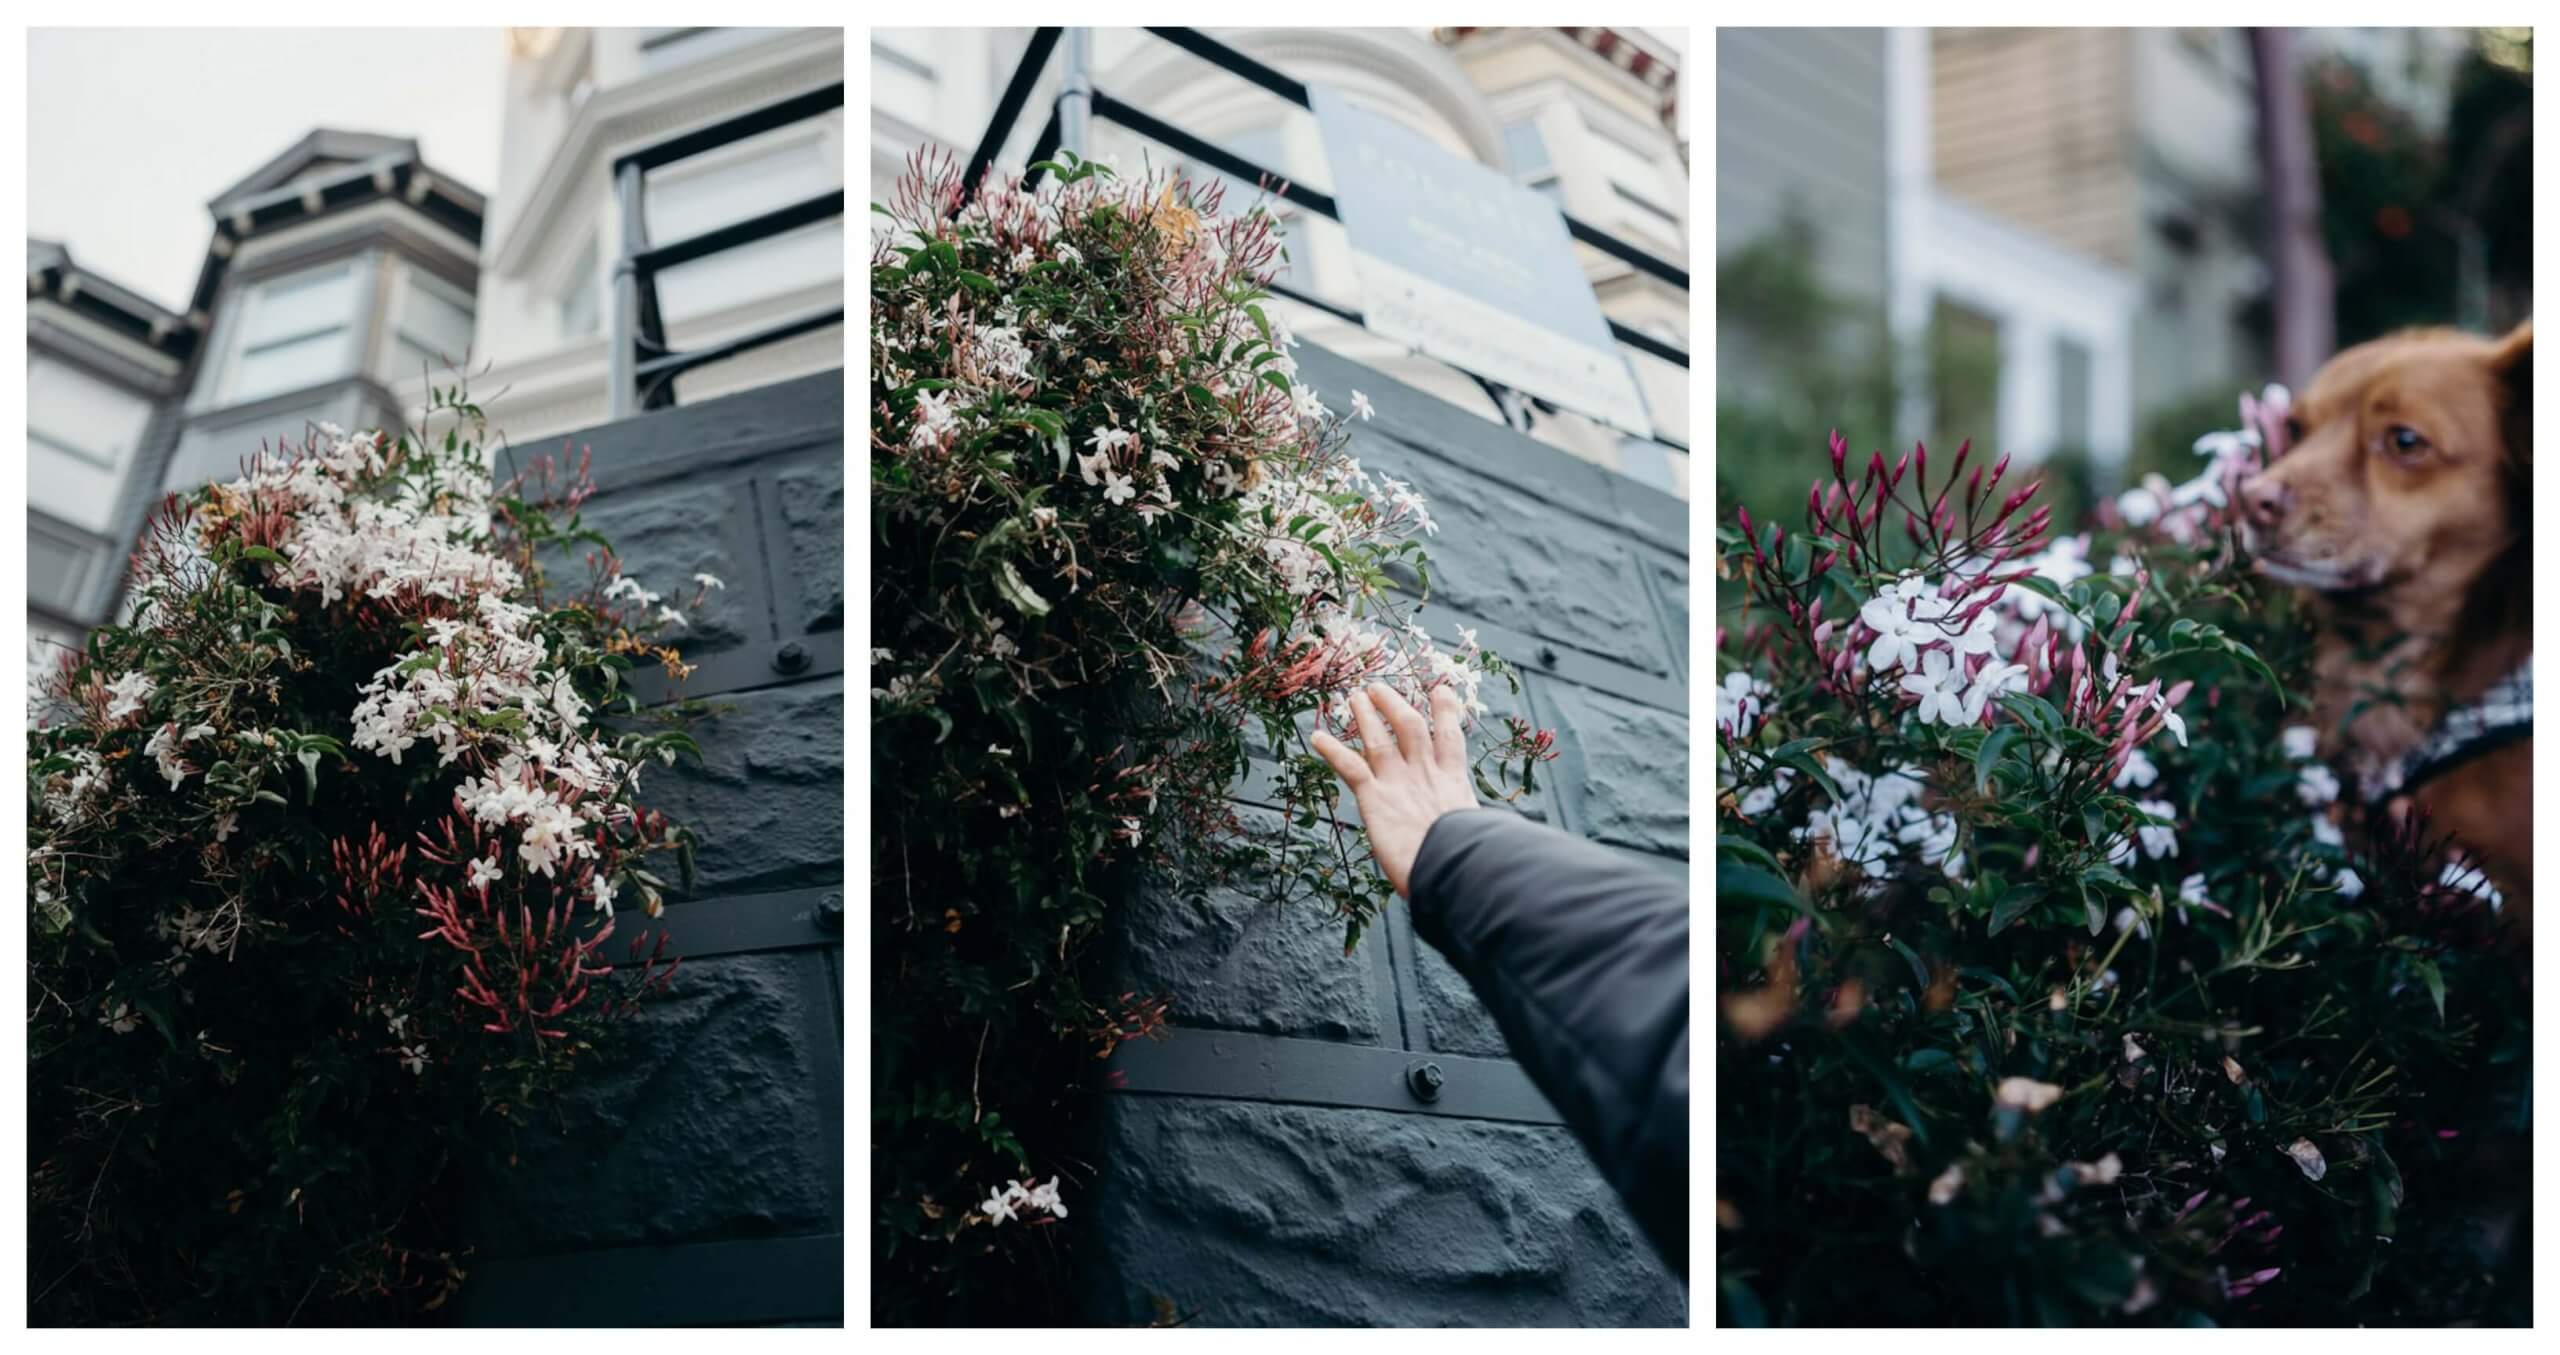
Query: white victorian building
{"points": [[578, 98]]}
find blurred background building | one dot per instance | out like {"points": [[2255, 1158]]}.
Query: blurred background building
{"points": [[576, 99], [1588, 116], [2057, 242], [344, 274], [329, 270]]}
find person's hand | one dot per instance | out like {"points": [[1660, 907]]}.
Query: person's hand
{"points": [[1406, 781]]}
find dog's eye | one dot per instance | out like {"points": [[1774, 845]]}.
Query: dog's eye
{"points": [[2292, 431], [2405, 442]]}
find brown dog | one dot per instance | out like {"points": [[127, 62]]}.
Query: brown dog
{"points": [[2402, 506]]}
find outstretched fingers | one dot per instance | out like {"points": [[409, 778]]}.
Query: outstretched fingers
{"points": [[1413, 737], [1448, 735], [1344, 760], [1374, 742]]}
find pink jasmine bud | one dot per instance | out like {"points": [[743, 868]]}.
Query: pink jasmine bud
{"points": [[1839, 456], [1920, 465], [1900, 464], [1956, 467]]}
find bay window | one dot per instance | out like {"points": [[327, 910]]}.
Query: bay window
{"points": [[292, 331], [82, 434]]}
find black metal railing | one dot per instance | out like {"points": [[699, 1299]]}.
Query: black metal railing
{"points": [[644, 367], [1106, 107]]}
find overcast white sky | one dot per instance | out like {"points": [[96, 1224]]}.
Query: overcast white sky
{"points": [[131, 131]]}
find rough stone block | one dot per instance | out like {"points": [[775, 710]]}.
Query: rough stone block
{"points": [[1251, 1214], [1624, 772], [696, 1125], [1512, 558], [1237, 961], [668, 532], [812, 504], [768, 799], [1453, 1022]]}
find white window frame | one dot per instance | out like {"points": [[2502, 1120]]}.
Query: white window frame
{"points": [[820, 139], [243, 315], [393, 364], [125, 413], [656, 45], [589, 260]]}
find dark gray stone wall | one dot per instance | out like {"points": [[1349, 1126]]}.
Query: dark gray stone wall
{"points": [[1266, 1163], [698, 1176]]}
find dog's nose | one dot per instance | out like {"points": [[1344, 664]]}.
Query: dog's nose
{"points": [[2265, 499]]}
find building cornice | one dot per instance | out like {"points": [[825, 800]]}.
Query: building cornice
{"points": [[1393, 57], [77, 338], [620, 116]]}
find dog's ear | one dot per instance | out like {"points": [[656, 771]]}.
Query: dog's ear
{"points": [[2511, 362]]}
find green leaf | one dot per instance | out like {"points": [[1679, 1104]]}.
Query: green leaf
{"points": [[2014, 905], [1988, 756], [1012, 589], [1736, 882], [1747, 850], [2433, 978], [1919, 970]]}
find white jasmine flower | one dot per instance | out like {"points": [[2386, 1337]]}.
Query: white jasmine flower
{"points": [[1361, 409], [709, 581], [1940, 685], [2470, 879], [1118, 488], [1898, 638], [129, 692], [414, 1058], [603, 894], [2300, 741], [2139, 507], [2139, 772], [2158, 839], [999, 1206], [1995, 680], [121, 1020], [1738, 698], [669, 616], [2317, 786], [2025, 1093], [2349, 883]]}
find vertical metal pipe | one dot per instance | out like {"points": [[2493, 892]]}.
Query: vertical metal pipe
{"points": [[624, 359], [1075, 92]]}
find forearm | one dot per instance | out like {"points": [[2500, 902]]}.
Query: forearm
{"points": [[1581, 955]]}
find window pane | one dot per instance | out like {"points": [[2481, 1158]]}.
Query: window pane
{"points": [[700, 200], [580, 313], [1527, 149], [303, 304], [683, 46], [284, 366], [433, 321]]}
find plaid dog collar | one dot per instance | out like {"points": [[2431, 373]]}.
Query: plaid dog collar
{"points": [[2501, 715]]}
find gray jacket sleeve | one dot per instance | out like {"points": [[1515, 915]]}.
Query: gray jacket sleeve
{"points": [[1582, 956]]}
